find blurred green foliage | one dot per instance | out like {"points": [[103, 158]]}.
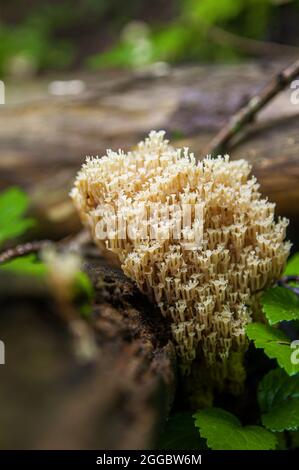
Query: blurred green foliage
{"points": [[83, 293], [192, 34], [105, 33], [27, 265], [13, 221], [33, 44]]}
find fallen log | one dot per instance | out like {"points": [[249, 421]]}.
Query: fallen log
{"points": [[50, 398], [43, 141]]}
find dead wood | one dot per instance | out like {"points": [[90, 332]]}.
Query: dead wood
{"points": [[52, 398]]}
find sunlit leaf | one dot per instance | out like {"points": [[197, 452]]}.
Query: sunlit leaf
{"points": [[13, 206], [275, 344], [292, 267], [224, 431], [280, 304], [27, 265], [83, 292]]}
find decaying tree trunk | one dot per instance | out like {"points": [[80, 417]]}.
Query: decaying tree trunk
{"points": [[44, 140], [52, 398]]}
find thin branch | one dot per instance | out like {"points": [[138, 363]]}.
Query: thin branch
{"points": [[73, 242], [24, 249], [255, 104], [247, 45], [286, 280], [77, 241]]}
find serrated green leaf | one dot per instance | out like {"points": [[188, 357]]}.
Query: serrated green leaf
{"points": [[292, 267], [263, 334], [275, 344], [278, 397], [224, 431], [280, 304], [180, 434], [28, 265], [13, 205]]}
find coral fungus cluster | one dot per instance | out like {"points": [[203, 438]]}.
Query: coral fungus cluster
{"points": [[207, 288]]}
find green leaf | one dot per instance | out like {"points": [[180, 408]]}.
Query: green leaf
{"points": [[180, 434], [275, 344], [292, 268], [28, 265], [280, 304], [278, 397], [13, 205], [224, 431], [83, 292]]}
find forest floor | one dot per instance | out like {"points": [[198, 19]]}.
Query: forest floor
{"points": [[43, 142]]}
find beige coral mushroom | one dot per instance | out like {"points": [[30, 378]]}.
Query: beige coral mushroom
{"points": [[207, 290]]}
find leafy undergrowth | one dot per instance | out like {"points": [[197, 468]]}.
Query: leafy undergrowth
{"points": [[13, 207]]}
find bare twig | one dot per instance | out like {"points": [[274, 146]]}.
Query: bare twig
{"points": [[286, 280], [77, 241], [24, 249], [255, 104], [73, 242], [255, 47]]}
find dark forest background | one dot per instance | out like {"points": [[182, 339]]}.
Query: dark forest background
{"points": [[42, 35]]}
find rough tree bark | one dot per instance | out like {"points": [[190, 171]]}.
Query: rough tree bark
{"points": [[51, 398]]}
